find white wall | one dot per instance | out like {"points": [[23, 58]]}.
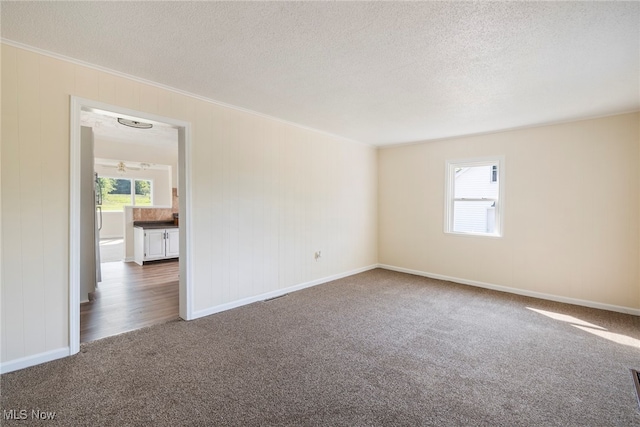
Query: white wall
{"points": [[112, 225], [265, 195], [572, 212]]}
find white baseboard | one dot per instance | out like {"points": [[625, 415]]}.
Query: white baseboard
{"points": [[129, 259], [523, 292], [277, 293], [36, 359]]}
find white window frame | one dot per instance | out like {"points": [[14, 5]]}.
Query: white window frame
{"points": [[450, 179], [133, 188]]}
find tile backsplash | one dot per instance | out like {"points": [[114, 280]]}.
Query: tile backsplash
{"points": [[158, 214]]}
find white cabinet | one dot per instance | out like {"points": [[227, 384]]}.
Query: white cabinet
{"points": [[155, 243], [172, 243]]}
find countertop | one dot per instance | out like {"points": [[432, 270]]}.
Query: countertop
{"points": [[150, 225]]}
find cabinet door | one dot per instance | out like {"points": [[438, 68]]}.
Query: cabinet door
{"points": [[138, 245], [172, 244], [154, 244]]}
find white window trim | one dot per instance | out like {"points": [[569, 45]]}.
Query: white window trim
{"points": [[450, 172], [133, 198]]}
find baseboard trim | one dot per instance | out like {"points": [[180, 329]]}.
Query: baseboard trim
{"points": [[278, 292], [36, 359], [523, 292], [48, 356]]}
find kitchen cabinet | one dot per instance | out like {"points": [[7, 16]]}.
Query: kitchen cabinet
{"points": [[153, 243], [172, 243]]}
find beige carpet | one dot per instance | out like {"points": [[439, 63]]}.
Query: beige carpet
{"points": [[376, 349]]}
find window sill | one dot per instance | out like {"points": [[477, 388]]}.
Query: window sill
{"points": [[468, 234]]}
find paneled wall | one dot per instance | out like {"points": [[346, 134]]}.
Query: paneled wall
{"points": [[266, 195], [571, 219]]}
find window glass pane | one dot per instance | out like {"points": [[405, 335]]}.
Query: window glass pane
{"points": [[143, 192], [474, 183], [116, 193], [474, 217]]}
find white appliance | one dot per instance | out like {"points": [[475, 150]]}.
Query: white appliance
{"points": [[90, 273], [97, 191]]}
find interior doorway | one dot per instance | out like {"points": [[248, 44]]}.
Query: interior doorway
{"points": [[123, 281], [135, 171]]}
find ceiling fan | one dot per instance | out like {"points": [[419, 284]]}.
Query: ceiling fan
{"points": [[122, 168]]}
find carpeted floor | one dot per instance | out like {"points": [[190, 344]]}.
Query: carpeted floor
{"points": [[378, 348]]}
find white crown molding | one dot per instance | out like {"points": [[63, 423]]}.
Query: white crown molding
{"points": [[172, 89], [286, 122]]}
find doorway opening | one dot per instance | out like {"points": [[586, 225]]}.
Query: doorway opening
{"points": [[128, 295]]}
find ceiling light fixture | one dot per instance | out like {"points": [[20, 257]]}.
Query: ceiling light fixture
{"points": [[134, 124], [121, 168]]}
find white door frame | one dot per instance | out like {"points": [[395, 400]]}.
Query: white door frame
{"points": [[184, 189]]}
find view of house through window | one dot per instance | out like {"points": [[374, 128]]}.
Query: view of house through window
{"points": [[120, 192], [473, 203]]}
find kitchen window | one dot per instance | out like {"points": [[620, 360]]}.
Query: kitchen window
{"points": [[474, 205], [120, 192]]}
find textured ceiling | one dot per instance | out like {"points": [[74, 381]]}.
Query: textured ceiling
{"points": [[376, 72]]}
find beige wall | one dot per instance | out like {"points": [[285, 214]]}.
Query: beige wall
{"points": [[266, 195], [571, 216]]}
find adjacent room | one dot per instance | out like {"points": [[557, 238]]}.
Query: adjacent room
{"points": [[320, 213], [133, 210]]}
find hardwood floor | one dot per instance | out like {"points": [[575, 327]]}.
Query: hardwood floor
{"points": [[130, 297]]}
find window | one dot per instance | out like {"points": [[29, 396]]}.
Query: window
{"points": [[120, 192], [474, 204]]}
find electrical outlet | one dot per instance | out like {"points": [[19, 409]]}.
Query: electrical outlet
{"points": [[318, 255]]}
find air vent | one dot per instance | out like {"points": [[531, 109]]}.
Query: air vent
{"points": [[271, 299]]}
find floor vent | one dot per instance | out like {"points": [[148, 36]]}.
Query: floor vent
{"points": [[271, 299], [636, 382]]}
